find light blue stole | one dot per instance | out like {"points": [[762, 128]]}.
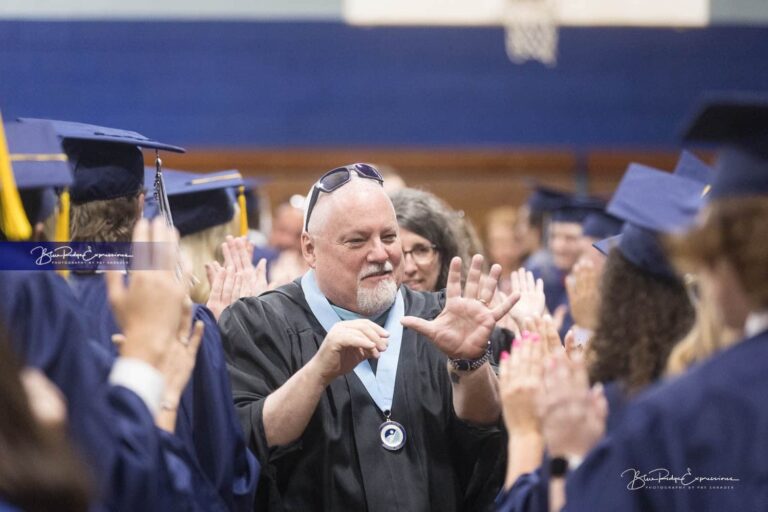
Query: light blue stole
{"points": [[381, 385]]}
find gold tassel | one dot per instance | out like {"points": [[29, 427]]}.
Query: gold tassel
{"points": [[243, 211], [13, 220], [62, 226], [62, 221]]}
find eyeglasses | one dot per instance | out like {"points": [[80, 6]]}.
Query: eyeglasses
{"points": [[336, 178], [421, 254]]}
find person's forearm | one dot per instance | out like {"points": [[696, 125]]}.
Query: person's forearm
{"points": [[288, 409], [476, 395], [525, 451]]}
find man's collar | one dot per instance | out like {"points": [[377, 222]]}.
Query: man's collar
{"points": [[346, 314]]}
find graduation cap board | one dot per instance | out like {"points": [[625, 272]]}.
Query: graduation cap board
{"points": [[107, 162], [738, 123], [652, 202], [691, 167], [601, 225], [201, 201], [32, 161], [576, 209]]}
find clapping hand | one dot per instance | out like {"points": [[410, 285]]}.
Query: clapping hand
{"points": [[582, 285], [178, 365], [521, 384], [573, 415], [532, 302], [464, 326], [149, 308], [237, 278]]}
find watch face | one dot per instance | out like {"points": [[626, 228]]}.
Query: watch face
{"points": [[461, 365]]}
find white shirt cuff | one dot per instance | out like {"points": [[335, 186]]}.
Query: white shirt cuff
{"points": [[141, 378]]}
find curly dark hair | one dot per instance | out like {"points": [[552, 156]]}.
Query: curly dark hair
{"points": [[428, 216], [641, 317]]}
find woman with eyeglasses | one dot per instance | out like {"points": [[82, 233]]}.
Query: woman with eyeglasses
{"points": [[428, 230]]}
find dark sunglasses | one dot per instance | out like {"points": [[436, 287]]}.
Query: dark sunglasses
{"points": [[336, 178]]}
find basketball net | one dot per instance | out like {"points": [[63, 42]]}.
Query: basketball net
{"points": [[531, 31]]}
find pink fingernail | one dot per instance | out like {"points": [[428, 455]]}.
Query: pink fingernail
{"points": [[516, 343], [504, 355], [535, 338], [526, 334]]}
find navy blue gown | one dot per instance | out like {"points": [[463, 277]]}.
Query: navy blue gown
{"points": [[206, 423], [530, 492], [134, 466], [707, 428]]}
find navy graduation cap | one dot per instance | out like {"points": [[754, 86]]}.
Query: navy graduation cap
{"points": [[601, 225], [576, 209], [107, 162], [37, 158], [546, 199], [651, 202], [691, 167], [36, 164], [738, 123], [201, 201]]}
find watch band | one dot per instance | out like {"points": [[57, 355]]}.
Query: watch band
{"points": [[468, 365]]}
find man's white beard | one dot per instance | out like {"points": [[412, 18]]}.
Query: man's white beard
{"points": [[372, 302]]}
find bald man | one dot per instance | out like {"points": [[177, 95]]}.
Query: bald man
{"points": [[359, 394]]}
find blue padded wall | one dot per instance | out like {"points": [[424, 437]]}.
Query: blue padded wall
{"points": [[326, 84]]}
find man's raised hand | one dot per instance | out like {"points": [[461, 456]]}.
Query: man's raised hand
{"points": [[464, 326]]}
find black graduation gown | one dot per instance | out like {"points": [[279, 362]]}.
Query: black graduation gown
{"points": [[338, 464]]}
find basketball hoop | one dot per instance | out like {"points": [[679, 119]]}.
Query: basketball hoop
{"points": [[531, 31]]}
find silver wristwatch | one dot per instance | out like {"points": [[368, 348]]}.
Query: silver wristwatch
{"points": [[468, 365]]}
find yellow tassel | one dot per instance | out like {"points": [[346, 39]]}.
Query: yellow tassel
{"points": [[62, 226], [13, 220], [62, 221], [243, 211]]}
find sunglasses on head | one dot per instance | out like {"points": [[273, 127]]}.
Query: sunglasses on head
{"points": [[336, 178]]}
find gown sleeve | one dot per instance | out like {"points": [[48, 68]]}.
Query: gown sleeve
{"points": [[209, 425]]}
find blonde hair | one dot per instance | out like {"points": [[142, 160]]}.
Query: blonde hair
{"points": [[108, 220], [204, 247], [707, 336]]}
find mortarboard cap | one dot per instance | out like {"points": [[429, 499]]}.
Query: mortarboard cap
{"points": [[689, 166], [651, 202], [201, 201], [107, 162], [601, 225], [94, 133], [546, 199], [739, 123], [36, 155], [39, 165], [576, 209], [607, 244]]}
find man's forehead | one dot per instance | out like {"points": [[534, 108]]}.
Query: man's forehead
{"points": [[359, 192], [566, 227]]}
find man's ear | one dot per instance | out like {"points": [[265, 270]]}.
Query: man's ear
{"points": [[308, 249]]}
